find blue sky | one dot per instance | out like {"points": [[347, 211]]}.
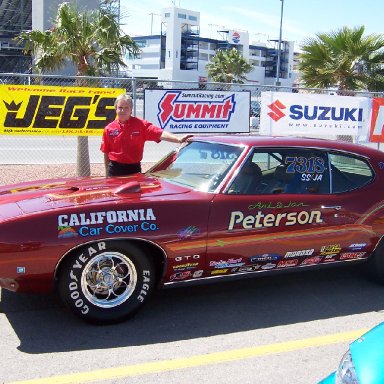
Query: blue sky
{"points": [[261, 18]]}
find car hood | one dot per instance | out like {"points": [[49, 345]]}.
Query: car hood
{"points": [[368, 356], [44, 195]]}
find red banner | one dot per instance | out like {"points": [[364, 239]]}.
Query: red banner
{"points": [[376, 134]]}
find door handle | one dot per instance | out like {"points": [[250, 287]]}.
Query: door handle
{"points": [[337, 207]]}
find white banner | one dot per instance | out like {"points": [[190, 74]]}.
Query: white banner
{"points": [[324, 116], [197, 111]]}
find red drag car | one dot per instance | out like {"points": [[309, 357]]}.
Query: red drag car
{"points": [[219, 206]]}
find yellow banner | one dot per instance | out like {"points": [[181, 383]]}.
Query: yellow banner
{"points": [[52, 110]]}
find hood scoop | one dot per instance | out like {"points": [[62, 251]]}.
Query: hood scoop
{"points": [[130, 187]]}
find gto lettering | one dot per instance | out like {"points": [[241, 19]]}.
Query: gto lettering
{"points": [[188, 257], [261, 220]]}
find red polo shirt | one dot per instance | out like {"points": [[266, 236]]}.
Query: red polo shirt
{"points": [[124, 142]]}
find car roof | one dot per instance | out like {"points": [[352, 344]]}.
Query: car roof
{"points": [[289, 141]]}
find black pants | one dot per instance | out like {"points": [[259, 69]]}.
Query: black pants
{"points": [[120, 169]]}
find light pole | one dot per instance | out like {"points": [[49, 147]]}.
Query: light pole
{"points": [[279, 46]]}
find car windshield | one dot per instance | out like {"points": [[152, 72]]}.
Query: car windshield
{"points": [[199, 165]]}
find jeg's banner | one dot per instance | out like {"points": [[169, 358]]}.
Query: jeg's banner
{"points": [[53, 110]]}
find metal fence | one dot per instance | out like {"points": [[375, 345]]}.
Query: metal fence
{"points": [[64, 149]]}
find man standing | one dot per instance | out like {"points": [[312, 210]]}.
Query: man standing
{"points": [[123, 139]]}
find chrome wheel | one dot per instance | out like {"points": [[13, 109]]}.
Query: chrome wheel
{"points": [[109, 279]]}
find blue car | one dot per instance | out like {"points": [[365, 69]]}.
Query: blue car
{"points": [[363, 362]]}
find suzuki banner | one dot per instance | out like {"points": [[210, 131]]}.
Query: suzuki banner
{"points": [[186, 111], [310, 115]]}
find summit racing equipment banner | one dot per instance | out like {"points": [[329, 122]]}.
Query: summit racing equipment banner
{"points": [[323, 116], [193, 110], [51, 110], [377, 121]]}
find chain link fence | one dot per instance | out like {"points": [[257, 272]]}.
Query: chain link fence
{"points": [[54, 153]]}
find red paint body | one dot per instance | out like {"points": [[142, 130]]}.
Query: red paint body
{"points": [[194, 234]]}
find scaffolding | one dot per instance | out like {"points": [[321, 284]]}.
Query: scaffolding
{"points": [[15, 16]]}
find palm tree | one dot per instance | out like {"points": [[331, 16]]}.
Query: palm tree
{"points": [[228, 66], [345, 59], [91, 40]]}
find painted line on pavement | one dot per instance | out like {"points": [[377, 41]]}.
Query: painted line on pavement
{"points": [[196, 361]]}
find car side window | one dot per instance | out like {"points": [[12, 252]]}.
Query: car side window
{"points": [[282, 171], [348, 172]]}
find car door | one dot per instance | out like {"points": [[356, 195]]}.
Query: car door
{"points": [[287, 214]]}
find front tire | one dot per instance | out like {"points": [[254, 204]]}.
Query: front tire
{"points": [[106, 282]]}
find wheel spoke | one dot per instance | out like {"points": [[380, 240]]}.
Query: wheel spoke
{"points": [[109, 279]]}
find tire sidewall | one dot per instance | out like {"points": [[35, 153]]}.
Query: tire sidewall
{"points": [[70, 279]]}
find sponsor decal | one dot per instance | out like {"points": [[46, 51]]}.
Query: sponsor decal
{"points": [[312, 260], [66, 232], [303, 252], [198, 273], [219, 271], [185, 267], [113, 223], [189, 231], [265, 257], [90, 218], [181, 275], [261, 220], [330, 249], [269, 266], [352, 255], [247, 268], [227, 263], [287, 263], [357, 246], [331, 257], [277, 205]]}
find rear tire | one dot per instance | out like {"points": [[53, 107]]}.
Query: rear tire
{"points": [[375, 266], [106, 282]]}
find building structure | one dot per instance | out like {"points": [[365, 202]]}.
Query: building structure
{"points": [[25, 15], [180, 53], [15, 16]]}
